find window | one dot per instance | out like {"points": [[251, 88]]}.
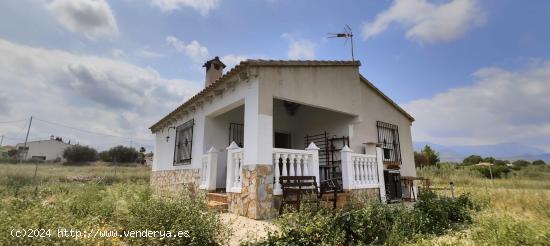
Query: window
{"points": [[184, 143], [388, 138]]}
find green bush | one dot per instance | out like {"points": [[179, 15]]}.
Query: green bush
{"points": [[105, 156], [521, 163], [496, 170], [78, 153], [123, 154], [373, 224], [183, 213]]}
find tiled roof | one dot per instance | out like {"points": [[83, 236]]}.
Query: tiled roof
{"points": [[270, 63]]}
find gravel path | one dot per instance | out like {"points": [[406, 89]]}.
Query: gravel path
{"points": [[245, 229]]}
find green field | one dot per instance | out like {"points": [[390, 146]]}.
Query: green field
{"points": [[515, 210]]}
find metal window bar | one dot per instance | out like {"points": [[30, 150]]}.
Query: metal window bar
{"points": [[236, 133], [184, 143], [388, 138]]}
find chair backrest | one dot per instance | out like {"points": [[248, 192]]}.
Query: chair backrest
{"points": [[298, 186]]}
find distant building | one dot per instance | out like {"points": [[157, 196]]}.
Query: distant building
{"points": [[45, 150]]}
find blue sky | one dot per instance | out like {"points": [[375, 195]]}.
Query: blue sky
{"points": [[471, 72]]}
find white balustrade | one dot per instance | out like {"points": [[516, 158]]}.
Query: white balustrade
{"points": [[235, 161], [360, 171], [293, 162], [208, 170]]}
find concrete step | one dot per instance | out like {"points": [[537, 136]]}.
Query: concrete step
{"points": [[218, 206], [217, 197]]}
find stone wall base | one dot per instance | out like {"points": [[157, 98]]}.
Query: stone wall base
{"points": [[172, 182], [256, 198]]}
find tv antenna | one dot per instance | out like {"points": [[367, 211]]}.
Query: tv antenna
{"points": [[347, 34]]}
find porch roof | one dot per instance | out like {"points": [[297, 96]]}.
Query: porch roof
{"points": [[270, 63]]}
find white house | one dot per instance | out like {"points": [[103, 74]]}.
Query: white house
{"points": [[270, 118], [46, 150]]}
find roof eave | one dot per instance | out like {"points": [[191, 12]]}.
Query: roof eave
{"points": [[389, 100]]}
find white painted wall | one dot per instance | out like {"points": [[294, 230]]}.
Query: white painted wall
{"points": [[338, 89], [308, 120], [51, 149], [231, 98]]}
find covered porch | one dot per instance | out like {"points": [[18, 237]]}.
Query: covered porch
{"points": [[293, 140]]}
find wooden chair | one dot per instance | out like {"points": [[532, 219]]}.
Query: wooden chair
{"points": [[298, 189], [331, 186]]}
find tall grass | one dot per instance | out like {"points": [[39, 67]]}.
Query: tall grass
{"points": [[517, 208], [107, 202]]}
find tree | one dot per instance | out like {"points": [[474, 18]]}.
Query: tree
{"points": [[12, 153], [426, 157], [539, 162], [432, 157], [105, 156], [123, 154], [472, 159], [420, 160], [521, 163], [500, 163], [489, 159], [79, 153]]}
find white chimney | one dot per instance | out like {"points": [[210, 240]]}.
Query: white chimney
{"points": [[214, 70]]}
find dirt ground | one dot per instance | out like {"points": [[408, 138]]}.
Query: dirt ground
{"points": [[245, 229]]}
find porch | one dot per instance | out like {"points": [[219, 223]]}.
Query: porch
{"points": [[304, 141]]}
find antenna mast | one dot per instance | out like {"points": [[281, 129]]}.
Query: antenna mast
{"points": [[347, 34]]}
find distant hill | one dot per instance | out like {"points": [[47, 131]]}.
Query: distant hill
{"points": [[505, 151]]}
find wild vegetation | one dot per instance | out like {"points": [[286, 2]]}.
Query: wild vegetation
{"points": [[515, 208], [97, 197], [372, 224], [510, 209]]}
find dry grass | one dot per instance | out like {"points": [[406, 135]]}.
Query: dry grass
{"points": [[516, 210]]}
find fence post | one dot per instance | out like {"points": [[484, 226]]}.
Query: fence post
{"points": [[314, 165], [230, 166], [212, 168], [381, 183], [348, 175]]}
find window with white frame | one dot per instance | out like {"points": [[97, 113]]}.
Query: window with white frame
{"points": [[184, 143]]}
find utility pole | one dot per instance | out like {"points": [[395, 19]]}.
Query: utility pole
{"points": [[26, 139], [1, 140]]}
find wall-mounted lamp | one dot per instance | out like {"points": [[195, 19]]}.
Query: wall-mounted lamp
{"points": [[168, 133]]}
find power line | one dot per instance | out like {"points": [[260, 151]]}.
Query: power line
{"points": [[87, 131], [12, 121]]}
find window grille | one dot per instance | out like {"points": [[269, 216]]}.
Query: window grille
{"points": [[184, 143], [388, 138]]}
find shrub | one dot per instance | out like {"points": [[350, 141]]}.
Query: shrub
{"points": [[472, 159], [79, 153], [105, 156], [497, 171], [539, 162], [184, 213], [373, 224], [123, 154], [521, 163]]}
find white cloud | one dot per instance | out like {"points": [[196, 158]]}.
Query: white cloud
{"points": [[98, 94], [193, 50], [299, 49], [429, 22], [501, 106], [232, 60], [93, 18], [203, 6]]}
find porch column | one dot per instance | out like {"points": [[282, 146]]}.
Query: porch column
{"points": [[258, 129], [257, 171]]}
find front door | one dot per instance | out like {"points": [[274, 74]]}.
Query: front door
{"points": [[282, 140]]}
